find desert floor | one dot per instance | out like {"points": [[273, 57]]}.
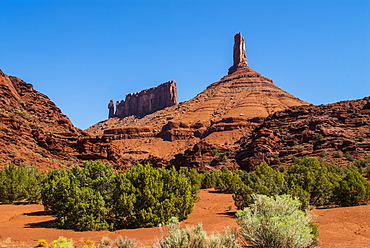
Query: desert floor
{"points": [[23, 225]]}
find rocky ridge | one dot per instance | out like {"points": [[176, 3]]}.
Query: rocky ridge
{"points": [[34, 131], [336, 133]]}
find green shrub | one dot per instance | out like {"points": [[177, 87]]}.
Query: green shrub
{"points": [[337, 154], [209, 180], [20, 184], [317, 178], [265, 180], [41, 243], [348, 156], [80, 198], [196, 237], [94, 198], [363, 165], [309, 180], [318, 136], [361, 139], [215, 152], [352, 190], [276, 221], [62, 242], [226, 181], [146, 196], [323, 154], [297, 192], [195, 180]]}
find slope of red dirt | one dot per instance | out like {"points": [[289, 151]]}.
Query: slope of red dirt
{"points": [[25, 224], [344, 227]]}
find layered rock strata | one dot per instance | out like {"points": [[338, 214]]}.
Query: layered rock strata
{"points": [[336, 133], [145, 102], [224, 112], [34, 131]]}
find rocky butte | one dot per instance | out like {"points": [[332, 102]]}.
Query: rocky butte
{"points": [[223, 113], [145, 102]]}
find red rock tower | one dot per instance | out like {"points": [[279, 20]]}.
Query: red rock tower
{"points": [[239, 54]]}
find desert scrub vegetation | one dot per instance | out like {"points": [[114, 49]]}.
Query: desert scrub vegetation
{"points": [[309, 180], [363, 165], [80, 198], [62, 242], [227, 181], [20, 183], [126, 242], [277, 221], [41, 243], [195, 179], [96, 198], [196, 237], [146, 196]]}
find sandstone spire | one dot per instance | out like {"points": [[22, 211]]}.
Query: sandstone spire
{"points": [[239, 55], [111, 109]]}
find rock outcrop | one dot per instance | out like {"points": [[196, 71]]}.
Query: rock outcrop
{"points": [[336, 133], [239, 54], [34, 131], [204, 156], [145, 102]]}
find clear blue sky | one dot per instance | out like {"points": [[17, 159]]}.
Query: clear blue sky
{"points": [[84, 53]]}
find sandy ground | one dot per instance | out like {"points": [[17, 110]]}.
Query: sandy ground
{"points": [[25, 224]]}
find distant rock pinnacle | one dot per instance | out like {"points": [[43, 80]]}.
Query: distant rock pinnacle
{"points": [[239, 54]]}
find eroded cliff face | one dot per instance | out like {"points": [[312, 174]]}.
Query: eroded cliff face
{"points": [[145, 102], [34, 131], [336, 133]]}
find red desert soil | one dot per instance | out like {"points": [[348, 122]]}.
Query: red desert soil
{"points": [[25, 224]]}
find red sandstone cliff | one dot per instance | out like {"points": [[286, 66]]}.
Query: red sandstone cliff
{"points": [[34, 131], [336, 133], [145, 102]]}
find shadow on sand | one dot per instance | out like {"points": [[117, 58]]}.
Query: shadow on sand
{"points": [[41, 224]]}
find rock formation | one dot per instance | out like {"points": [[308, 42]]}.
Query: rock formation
{"points": [[111, 109], [145, 102], [239, 54], [204, 156], [336, 133], [239, 121], [224, 112], [34, 131]]}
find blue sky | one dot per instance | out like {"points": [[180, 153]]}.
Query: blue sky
{"points": [[82, 53]]}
